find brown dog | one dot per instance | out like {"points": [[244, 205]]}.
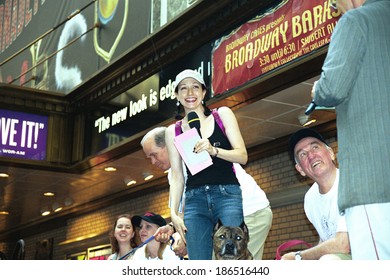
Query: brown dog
{"points": [[231, 243]]}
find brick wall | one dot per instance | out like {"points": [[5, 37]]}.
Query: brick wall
{"points": [[276, 175]]}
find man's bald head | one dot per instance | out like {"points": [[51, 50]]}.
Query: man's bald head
{"points": [[154, 147]]}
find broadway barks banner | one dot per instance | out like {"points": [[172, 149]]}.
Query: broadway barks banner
{"points": [[280, 35]]}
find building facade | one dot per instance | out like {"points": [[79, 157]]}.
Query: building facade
{"points": [[200, 36]]}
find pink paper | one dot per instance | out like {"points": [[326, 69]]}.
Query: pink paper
{"points": [[185, 144]]}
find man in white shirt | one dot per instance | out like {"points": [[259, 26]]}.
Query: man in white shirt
{"points": [[315, 159], [256, 207]]}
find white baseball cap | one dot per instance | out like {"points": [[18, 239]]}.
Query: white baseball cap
{"points": [[188, 73]]}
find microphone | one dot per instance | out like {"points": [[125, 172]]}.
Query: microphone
{"points": [[310, 108], [193, 121]]}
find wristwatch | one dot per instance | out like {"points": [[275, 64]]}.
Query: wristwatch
{"points": [[298, 256]]}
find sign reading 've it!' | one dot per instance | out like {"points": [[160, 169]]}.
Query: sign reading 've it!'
{"points": [[23, 135]]}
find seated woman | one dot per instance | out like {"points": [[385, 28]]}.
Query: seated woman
{"points": [[122, 238], [153, 250]]}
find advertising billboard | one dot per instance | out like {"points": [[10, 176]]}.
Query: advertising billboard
{"points": [[291, 30], [23, 135]]}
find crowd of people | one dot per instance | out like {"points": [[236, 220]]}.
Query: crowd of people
{"points": [[312, 157], [348, 207]]}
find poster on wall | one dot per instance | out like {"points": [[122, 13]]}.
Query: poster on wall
{"points": [[23, 135], [282, 34]]}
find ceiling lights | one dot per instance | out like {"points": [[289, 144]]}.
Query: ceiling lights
{"points": [[56, 206], [148, 176], [110, 169], [129, 182], [49, 194], [45, 211]]}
